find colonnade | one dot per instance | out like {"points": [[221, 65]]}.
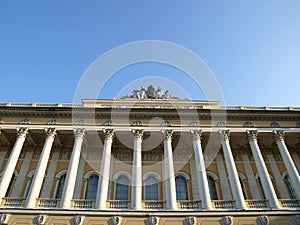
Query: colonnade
{"points": [[168, 173]]}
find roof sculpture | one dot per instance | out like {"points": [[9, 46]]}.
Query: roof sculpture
{"points": [[150, 93]]}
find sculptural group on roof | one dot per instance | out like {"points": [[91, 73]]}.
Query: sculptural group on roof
{"points": [[150, 93]]}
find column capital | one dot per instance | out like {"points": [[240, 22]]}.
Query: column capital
{"points": [[224, 135], [196, 135], [138, 133], [51, 132], [252, 135], [108, 133], [278, 135], [79, 133], [22, 132], [167, 134]]}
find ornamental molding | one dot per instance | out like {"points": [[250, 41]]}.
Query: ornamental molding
{"points": [[116, 220], [279, 135], [22, 132], [4, 218], [78, 219], [228, 220], [167, 134], [224, 135], [41, 219], [108, 133], [138, 133], [191, 220], [153, 220], [252, 135], [264, 220], [79, 133], [196, 135], [51, 132]]}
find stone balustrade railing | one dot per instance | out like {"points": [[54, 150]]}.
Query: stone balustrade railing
{"points": [[188, 204], [154, 204], [223, 204], [47, 203], [13, 202], [118, 204], [83, 203], [289, 203], [149, 204], [257, 204]]}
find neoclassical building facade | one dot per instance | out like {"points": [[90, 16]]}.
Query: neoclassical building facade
{"points": [[158, 160]]}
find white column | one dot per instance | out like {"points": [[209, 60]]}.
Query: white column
{"points": [[250, 175], [232, 171], [288, 162], [136, 195], [69, 185], [22, 174], [79, 178], [262, 170], [49, 178], [12, 161], [169, 178], [201, 171], [39, 174], [104, 171], [226, 192]]}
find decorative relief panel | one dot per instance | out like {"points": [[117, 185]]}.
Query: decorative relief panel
{"points": [[180, 155], [65, 154], [123, 154], [151, 155], [36, 154], [93, 154]]}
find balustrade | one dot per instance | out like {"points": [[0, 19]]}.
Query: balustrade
{"points": [[289, 203], [257, 204], [13, 202], [118, 204], [223, 204], [47, 203], [83, 203], [154, 204], [189, 204]]}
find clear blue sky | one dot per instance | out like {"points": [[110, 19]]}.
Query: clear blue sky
{"points": [[252, 46]]}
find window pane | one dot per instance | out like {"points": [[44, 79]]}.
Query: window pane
{"points": [[243, 187], [122, 188], [9, 189], [261, 190], [212, 188], [181, 188], [290, 188], [29, 182], [60, 186], [151, 188], [92, 185]]}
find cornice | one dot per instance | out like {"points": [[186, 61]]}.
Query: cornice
{"points": [[202, 114]]}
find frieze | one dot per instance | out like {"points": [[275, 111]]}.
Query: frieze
{"points": [[151, 155], [123, 155]]}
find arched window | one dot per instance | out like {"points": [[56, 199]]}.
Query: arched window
{"points": [[91, 188], [9, 189], [289, 186], [260, 187], [181, 188], [243, 187], [29, 182], [151, 188], [212, 188], [60, 186], [122, 188]]}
